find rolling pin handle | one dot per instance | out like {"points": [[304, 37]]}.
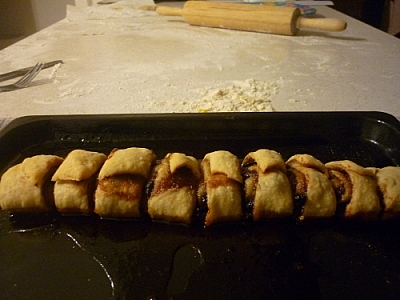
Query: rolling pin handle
{"points": [[322, 23]]}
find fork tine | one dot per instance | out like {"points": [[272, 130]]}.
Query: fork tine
{"points": [[24, 81], [28, 77]]}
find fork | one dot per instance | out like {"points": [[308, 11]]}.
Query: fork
{"points": [[24, 81]]}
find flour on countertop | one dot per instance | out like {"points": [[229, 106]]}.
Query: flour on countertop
{"points": [[54, 72], [112, 11], [242, 96]]}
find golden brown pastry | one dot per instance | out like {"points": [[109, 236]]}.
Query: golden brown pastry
{"points": [[312, 190], [266, 185], [75, 181], [221, 187], [388, 179], [356, 189], [176, 181], [26, 187], [121, 183]]}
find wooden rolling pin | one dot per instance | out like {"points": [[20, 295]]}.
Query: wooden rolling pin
{"points": [[249, 17]]}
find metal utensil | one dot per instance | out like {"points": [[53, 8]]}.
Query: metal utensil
{"points": [[22, 72], [24, 81]]}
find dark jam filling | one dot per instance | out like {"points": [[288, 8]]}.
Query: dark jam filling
{"points": [[215, 181], [299, 190], [248, 210], [183, 177], [247, 164], [249, 174], [149, 188], [298, 208], [341, 183], [201, 210], [248, 194], [342, 186], [340, 191]]}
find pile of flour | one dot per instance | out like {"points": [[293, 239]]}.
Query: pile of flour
{"points": [[250, 95]]}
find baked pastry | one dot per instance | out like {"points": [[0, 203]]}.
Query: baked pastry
{"points": [[75, 181], [173, 197], [356, 190], [266, 185], [388, 179], [121, 183], [221, 188], [313, 193], [26, 187]]}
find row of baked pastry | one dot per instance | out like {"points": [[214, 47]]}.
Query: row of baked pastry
{"points": [[129, 183]]}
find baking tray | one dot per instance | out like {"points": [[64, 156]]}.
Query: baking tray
{"points": [[79, 257]]}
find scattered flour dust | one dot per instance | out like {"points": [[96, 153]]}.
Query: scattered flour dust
{"points": [[242, 96], [54, 72]]}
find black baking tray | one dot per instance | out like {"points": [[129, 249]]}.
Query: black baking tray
{"points": [[84, 257]]}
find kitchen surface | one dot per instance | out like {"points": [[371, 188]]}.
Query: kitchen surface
{"points": [[151, 158], [120, 58]]}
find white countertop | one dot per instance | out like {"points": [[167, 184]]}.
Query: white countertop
{"points": [[118, 59]]}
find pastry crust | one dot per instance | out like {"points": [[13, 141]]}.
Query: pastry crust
{"points": [[73, 197], [222, 187], [133, 160], [307, 161], [180, 160], [79, 165], [26, 187], [224, 162], [176, 181], [363, 201], [266, 185], [266, 160], [121, 183], [388, 179], [119, 196], [311, 186], [75, 180]]}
